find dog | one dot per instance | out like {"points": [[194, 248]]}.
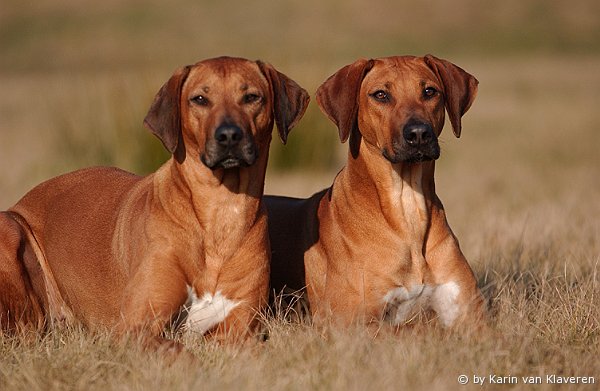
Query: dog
{"points": [[113, 250], [376, 245]]}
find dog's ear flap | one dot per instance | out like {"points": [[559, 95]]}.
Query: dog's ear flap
{"points": [[164, 117], [460, 89], [338, 96], [289, 99]]}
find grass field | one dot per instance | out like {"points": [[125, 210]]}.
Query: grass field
{"points": [[521, 187]]}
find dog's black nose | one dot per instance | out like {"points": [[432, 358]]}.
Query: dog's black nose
{"points": [[228, 135], [417, 134]]}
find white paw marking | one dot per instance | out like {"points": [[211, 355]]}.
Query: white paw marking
{"points": [[401, 304], [444, 302], [206, 312]]}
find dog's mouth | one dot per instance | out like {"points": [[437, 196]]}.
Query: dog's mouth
{"points": [[421, 156], [412, 155], [230, 162], [230, 158]]}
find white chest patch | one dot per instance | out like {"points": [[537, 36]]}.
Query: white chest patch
{"points": [[401, 304], [206, 312]]}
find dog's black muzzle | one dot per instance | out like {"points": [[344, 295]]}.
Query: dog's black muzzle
{"points": [[418, 143], [229, 147]]}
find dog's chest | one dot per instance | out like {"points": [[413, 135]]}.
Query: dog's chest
{"points": [[227, 217], [225, 226]]}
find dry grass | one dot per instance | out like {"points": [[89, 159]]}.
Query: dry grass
{"points": [[545, 322], [521, 186]]}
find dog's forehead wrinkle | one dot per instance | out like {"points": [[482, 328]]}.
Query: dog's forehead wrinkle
{"points": [[250, 81], [404, 66], [233, 72], [224, 67], [396, 79]]}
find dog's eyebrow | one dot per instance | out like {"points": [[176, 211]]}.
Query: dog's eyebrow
{"points": [[244, 87], [206, 88], [384, 86]]}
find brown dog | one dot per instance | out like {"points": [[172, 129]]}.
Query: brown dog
{"points": [[114, 250], [376, 244]]}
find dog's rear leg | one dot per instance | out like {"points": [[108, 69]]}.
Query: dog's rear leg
{"points": [[19, 304]]}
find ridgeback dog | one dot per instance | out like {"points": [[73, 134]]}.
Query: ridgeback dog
{"points": [[376, 244], [116, 251]]}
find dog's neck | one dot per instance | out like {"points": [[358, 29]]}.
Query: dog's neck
{"points": [[400, 193], [243, 181], [220, 210], [227, 197]]}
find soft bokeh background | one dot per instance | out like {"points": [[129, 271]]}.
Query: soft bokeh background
{"points": [[77, 77], [521, 186]]}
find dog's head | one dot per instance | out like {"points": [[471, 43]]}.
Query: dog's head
{"points": [[222, 111], [396, 104]]}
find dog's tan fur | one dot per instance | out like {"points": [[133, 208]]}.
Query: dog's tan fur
{"points": [[114, 250], [377, 241]]}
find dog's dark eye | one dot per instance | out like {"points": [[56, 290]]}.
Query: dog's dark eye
{"points": [[251, 98], [381, 96], [429, 92], [200, 100]]}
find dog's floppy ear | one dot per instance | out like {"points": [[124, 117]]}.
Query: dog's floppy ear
{"points": [[460, 89], [164, 116], [289, 99], [338, 96]]}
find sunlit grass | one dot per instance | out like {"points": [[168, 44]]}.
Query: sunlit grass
{"points": [[544, 320]]}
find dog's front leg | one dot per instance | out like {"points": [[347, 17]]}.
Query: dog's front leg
{"points": [[155, 292], [456, 298], [231, 311]]}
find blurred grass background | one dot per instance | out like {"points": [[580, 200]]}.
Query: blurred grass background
{"points": [[78, 76]]}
